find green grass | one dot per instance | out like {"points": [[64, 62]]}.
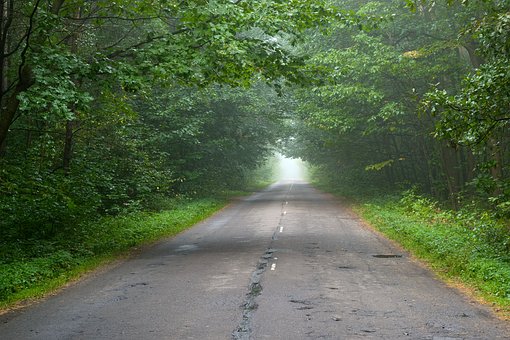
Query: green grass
{"points": [[473, 252], [470, 247], [35, 261], [32, 268]]}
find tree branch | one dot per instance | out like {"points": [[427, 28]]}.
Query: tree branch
{"points": [[27, 43], [119, 40], [111, 18], [56, 6], [15, 49], [146, 41], [10, 87]]}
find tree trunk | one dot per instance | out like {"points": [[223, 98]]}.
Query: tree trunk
{"points": [[449, 160], [475, 59], [68, 146], [8, 112], [4, 62], [497, 169]]}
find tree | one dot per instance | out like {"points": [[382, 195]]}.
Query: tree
{"points": [[367, 108], [476, 114], [198, 42], [87, 122]]}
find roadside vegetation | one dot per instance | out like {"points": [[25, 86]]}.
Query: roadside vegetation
{"points": [[34, 265], [468, 247], [116, 114]]}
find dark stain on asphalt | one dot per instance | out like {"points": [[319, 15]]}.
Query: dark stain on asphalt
{"points": [[345, 267], [302, 302], [386, 256]]}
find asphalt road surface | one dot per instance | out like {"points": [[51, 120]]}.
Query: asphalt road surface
{"points": [[286, 263]]}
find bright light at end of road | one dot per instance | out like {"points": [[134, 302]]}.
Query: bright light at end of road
{"points": [[291, 168]]}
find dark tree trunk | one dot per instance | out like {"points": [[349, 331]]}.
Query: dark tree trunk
{"points": [[475, 59], [8, 112], [71, 123], [68, 146]]}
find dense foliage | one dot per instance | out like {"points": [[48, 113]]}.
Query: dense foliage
{"points": [[110, 106], [422, 100], [114, 107]]}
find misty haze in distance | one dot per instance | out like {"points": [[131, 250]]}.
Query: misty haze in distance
{"points": [[291, 168]]}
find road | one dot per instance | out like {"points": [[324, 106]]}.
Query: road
{"points": [[289, 262]]}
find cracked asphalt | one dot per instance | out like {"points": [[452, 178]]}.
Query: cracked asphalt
{"points": [[289, 262]]}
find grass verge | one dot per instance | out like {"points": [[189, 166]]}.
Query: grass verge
{"points": [[454, 249], [31, 268], [467, 248]]}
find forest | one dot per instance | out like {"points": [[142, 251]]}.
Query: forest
{"points": [[109, 108]]}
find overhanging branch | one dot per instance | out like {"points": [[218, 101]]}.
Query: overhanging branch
{"points": [[145, 42]]}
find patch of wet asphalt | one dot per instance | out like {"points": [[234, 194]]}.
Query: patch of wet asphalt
{"points": [[286, 263]]}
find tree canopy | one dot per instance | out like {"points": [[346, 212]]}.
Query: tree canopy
{"points": [[107, 105], [421, 99]]}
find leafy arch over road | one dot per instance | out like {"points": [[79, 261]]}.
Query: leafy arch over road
{"points": [[114, 106], [105, 104], [127, 43]]}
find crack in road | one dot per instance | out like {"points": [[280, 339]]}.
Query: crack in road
{"points": [[243, 331]]}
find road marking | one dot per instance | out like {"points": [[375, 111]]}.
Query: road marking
{"points": [[273, 266]]}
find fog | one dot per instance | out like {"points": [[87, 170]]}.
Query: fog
{"points": [[291, 168]]}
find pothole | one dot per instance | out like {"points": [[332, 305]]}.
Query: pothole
{"points": [[243, 331], [387, 256]]}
